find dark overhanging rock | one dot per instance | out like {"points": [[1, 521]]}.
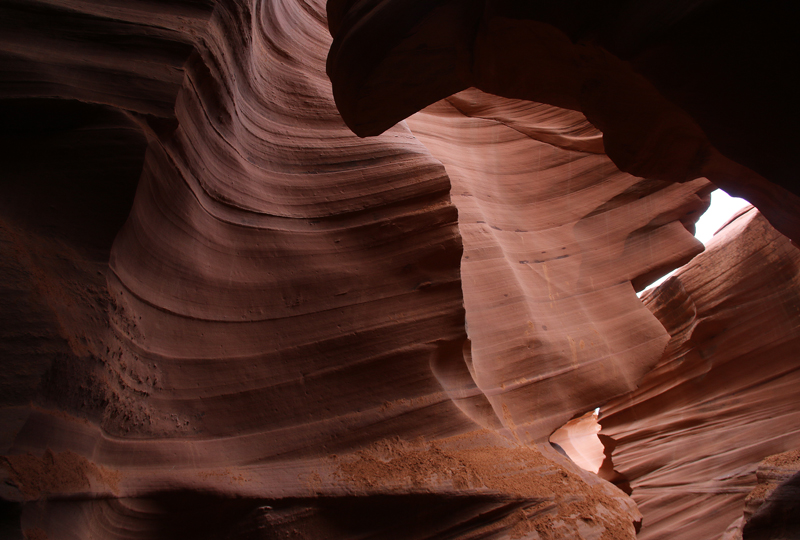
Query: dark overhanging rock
{"points": [[679, 91]]}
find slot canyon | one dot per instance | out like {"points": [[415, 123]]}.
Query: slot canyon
{"points": [[368, 269]]}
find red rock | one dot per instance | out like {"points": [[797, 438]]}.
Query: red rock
{"points": [[772, 508], [553, 239], [662, 85], [269, 337], [275, 337], [722, 398], [578, 438]]}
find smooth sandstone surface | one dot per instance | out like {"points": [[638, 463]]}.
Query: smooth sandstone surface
{"points": [[269, 335], [724, 395], [224, 315], [252, 256], [553, 238]]}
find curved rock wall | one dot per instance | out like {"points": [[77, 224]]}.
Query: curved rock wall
{"points": [[723, 396], [665, 83], [265, 240], [553, 236], [275, 339], [224, 315]]}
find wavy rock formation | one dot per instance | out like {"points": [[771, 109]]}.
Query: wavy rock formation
{"points": [[723, 396], [224, 315], [653, 79], [269, 336], [664, 82], [553, 239], [275, 275]]}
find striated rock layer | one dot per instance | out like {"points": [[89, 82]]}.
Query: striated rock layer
{"points": [[277, 289], [666, 83], [554, 235], [724, 395], [226, 316], [663, 84], [268, 336]]}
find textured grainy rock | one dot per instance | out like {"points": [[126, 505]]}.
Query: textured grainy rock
{"points": [[268, 336], [772, 509], [723, 396]]}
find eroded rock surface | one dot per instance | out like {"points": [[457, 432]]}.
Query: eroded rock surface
{"points": [[723, 396], [553, 239], [262, 338], [225, 315], [663, 81], [772, 509]]}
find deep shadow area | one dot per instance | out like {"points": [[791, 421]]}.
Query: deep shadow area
{"points": [[178, 515], [10, 513], [70, 170], [779, 517]]}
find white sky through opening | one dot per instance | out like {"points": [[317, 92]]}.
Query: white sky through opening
{"points": [[722, 208]]}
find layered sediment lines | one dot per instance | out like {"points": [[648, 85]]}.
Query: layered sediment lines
{"points": [[724, 395], [275, 339], [276, 275], [663, 83], [225, 315], [554, 235], [123, 54]]}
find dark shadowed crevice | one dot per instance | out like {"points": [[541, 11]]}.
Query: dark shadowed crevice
{"points": [[607, 471], [70, 170], [10, 513], [182, 515], [779, 516]]}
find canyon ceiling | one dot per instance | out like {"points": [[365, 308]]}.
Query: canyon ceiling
{"points": [[282, 269]]}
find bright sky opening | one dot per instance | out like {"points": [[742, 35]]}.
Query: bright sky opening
{"points": [[722, 208]]}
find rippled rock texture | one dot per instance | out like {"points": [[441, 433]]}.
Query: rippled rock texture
{"points": [[554, 322], [269, 334], [724, 395], [666, 82], [224, 315]]}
